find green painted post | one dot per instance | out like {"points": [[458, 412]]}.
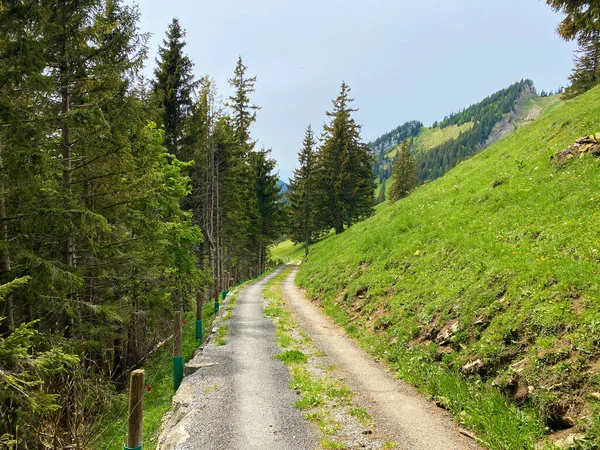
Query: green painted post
{"points": [[216, 306], [178, 351], [199, 304]]}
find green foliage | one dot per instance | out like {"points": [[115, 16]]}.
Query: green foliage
{"points": [[109, 432], [586, 73], [581, 17], [345, 168], [290, 357], [174, 88], [504, 244], [403, 173], [304, 226], [485, 114], [96, 224]]}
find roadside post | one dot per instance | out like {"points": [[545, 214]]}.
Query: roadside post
{"points": [[178, 351]]}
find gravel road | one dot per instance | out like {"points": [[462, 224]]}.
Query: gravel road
{"points": [[240, 400], [398, 410]]}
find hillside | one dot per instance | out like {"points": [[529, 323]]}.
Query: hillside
{"points": [[460, 135], [488, 274]]}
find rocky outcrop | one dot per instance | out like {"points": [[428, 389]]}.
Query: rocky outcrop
{"points": [[511, 121]]}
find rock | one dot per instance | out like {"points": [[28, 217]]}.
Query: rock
{"points": [[570, 440], [447, 332], [473, 367], [443, 350], [194, 366]]}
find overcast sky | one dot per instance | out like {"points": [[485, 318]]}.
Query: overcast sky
{"points": [[404, 60]]}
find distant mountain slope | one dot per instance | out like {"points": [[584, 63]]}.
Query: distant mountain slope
{"points": [[462, 134], [484, 281]]}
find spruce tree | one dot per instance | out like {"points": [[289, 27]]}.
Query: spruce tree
{"points": [[581, 18], [345, 176], [266, 219], [303, 195], [403, 173], [243, 112], [174, 88], [94, 200], [586, 73]]}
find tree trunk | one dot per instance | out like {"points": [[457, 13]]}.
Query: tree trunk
{"points": [[9, 321], [68, 245]]}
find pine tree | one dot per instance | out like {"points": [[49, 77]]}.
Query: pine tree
{"points": [[345, 176], [403, 173], [174, 88], [586, 73], [303, 195]]}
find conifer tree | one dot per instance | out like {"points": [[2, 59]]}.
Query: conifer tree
{"points": [[93, 199], [243, 112], [586, 73], [303, 195], [345, 176], [174, 88], [266, 218], [403, 173], [581, 18]]}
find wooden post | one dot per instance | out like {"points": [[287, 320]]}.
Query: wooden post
{"points": [[199, 303], [136, 411], [178, 351]]}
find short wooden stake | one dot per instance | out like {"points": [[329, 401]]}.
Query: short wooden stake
{"points": [[199, 304], [133, 441], [178, 351]]}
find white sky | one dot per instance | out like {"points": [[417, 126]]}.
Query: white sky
{"points": [[404, 60]]}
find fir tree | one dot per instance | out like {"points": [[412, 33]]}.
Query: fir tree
{"points": [[581, 18], [345, 177], [586, 73], [174, 87], [266, 214], [403, 173], [243, 112], [303, 195]]}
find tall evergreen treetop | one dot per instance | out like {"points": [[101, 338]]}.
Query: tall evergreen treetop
{"points": [[586, 73], [403, 173], [174, 85], [346, 166], [244, 113], [303, 195]]}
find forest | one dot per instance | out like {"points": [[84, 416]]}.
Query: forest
{"points": [[122, 200]]}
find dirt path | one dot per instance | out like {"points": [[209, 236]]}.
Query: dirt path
{"points": [[399, 411], [240, 400]]}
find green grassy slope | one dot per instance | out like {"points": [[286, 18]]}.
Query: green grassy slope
{"points": [[429, 137], [503, 253], [546, 104]]}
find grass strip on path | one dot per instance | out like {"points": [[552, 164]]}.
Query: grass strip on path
{"points": [[325, 400]]}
